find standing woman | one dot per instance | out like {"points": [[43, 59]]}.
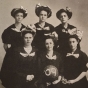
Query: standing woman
{"points": [[23, 66], [42, 27], [11, 36], [64, 29]]}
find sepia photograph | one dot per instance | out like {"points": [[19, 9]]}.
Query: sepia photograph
{"points": [[43, 43]]}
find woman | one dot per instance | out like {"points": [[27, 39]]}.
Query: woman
{"points": [[75, 65], [22, 69], [11, 36], [64, 29], [42, 27], [50, 58]]}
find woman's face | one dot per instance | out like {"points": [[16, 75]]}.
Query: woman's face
{"points": [[19, 17], [43, 16], [28, 38], [49, 44], [64, 17], [73, 43]]}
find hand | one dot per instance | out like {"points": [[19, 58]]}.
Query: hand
{"points": [[71, 81], [54, 34], [6, 46], [87, 65], [87, 75], [48, 83], [56, 81], [9, 45], [30, 77], [64, 81], [73, 31]]}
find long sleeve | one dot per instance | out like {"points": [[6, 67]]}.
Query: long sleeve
{"points": [[84, 61], [6, 36]]}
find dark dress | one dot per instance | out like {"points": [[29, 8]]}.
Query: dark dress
{"points": [[10, 36], [73, 67], [20, 66], [43, 61], [40, 35], [63, 37], [7, 70]]}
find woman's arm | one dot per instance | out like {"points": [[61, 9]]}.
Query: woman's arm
{"points": [[78, 78], [57, 81]]}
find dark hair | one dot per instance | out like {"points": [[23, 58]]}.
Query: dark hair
{"points": [[49, 37], [28, 30], [15, 11], [63, 10], [73, 36], [76, 37], [47, 9]]}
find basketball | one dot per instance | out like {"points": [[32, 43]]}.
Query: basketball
{"points": [[51, 73]]}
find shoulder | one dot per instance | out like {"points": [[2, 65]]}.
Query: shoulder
{"points": [[36, 24], [59, 57], [23, 26], [6, 34], [58, 26], [71, 26], [9, 28], [48, 24], [83, 55], [42, 55], [57, 54], [18, 49], [34, 49]]}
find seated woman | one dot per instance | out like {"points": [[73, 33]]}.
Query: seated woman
{"points": [[24, 64], [42, 27], [75, 65], [49, 59]]}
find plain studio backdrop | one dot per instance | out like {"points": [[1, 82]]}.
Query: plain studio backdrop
{"points": [[79, 18]]}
